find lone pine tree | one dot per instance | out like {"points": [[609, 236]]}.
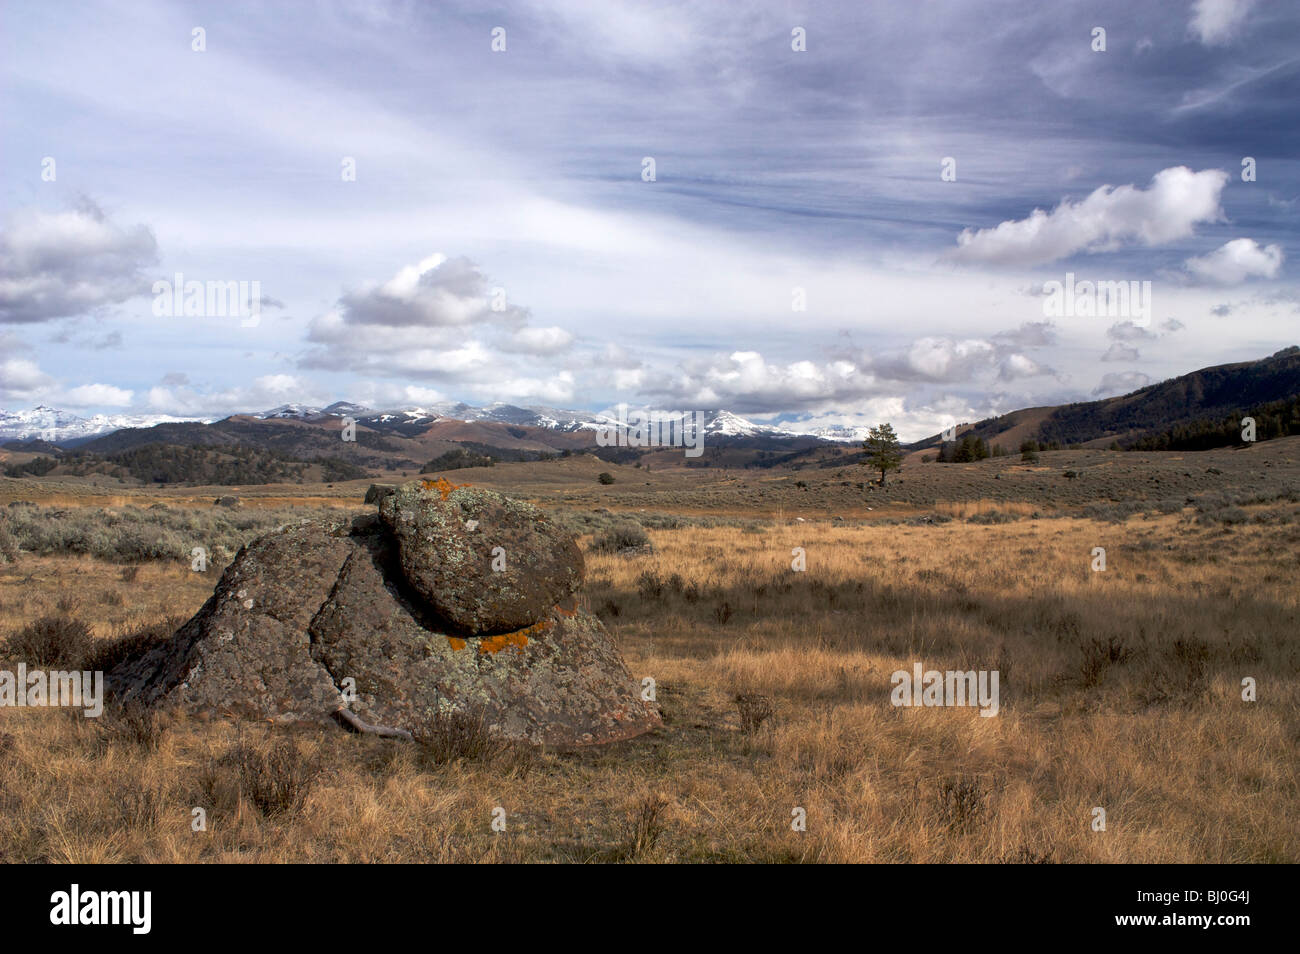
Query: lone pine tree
{"points": [[883, 451]]}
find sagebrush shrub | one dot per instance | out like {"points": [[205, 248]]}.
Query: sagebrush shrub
{"points": [[459, 734], [278, 781], [135, 535], [8, 544], [650, 586], [58, 641], [621, 536], [754, 709]]}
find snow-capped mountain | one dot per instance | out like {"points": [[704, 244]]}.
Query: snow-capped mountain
{"points": [[55, 426], [726, 424], [61, 426], [501, 413], [532, 416], [291, 411], [843, 433], [722, 423], [716, 423], [305, 412]]}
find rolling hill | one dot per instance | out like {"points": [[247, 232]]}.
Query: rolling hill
{"points": [[1194, 411]]}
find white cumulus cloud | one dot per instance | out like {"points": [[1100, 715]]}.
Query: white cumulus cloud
{"points": [[97, 395], [21, 379], [62, 264], [1234, 262], [262, 393], [1110, 217], [745, 381]]}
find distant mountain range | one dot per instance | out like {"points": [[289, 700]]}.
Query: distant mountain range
{"points": [[296, 444], [1193, 411], [69, 430], [721, 423], [47, 423]]}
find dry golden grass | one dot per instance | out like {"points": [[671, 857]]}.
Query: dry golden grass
{"points": [[1186, 770], [962, 509]]}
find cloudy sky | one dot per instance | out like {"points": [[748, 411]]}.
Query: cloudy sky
{"points": [[430, 218]]}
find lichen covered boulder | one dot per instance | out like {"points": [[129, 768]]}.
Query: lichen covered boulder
{"points": [[247, 650], [319, 617], [559, 681], [485, 563]]}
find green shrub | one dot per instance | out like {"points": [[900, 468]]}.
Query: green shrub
{"points": [[992, 517], [8, 544], [620, 537], [1208, 502], [1116, 511], [662, 521], [1228, 516], [138, 544], [134, 535]]}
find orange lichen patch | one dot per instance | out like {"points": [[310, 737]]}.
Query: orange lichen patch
{"points": [[456, 642], [494, 644], [442, 485], [516, 640]]}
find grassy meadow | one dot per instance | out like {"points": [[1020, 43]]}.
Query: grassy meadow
{"points": [[1120, 689]]}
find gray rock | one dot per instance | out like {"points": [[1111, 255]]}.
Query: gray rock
{"points": [[247, 650], [559, 681], [377, 492], [454, 543], [303, 609]]}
